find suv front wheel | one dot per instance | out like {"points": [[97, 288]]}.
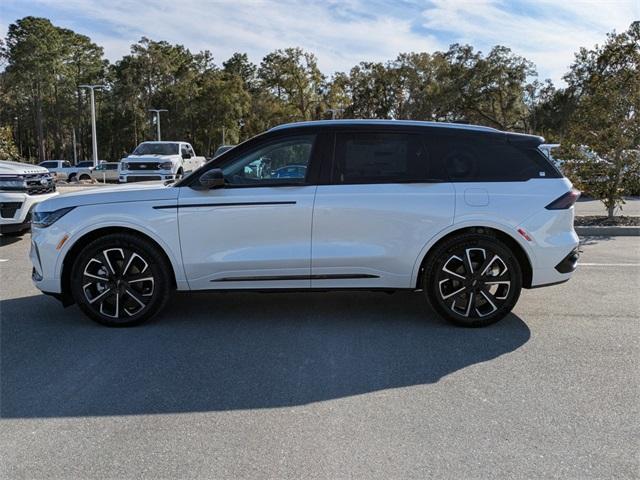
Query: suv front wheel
{"points": [[472, 280], [120, 280]]}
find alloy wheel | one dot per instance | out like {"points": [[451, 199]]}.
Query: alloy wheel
{"points": [[474, 282], [118, 283]]}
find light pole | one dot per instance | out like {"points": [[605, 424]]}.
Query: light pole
{"points": [[157, 112], [75, 153], [240, 127], [94, 135], [16, 135]]}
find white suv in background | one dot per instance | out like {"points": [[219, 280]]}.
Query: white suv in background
{"points": [[469, 215], [22, 186]]}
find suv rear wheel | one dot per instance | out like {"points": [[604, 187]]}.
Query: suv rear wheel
{"points": [[120, 280], [472, 280]]}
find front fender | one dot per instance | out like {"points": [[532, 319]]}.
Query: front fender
{"points": [[160, 225]]}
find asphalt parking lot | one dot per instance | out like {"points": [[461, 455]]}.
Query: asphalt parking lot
{"points": [[339, 385]]}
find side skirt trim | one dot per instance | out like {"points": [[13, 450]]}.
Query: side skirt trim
{"points": [[230, 204]]}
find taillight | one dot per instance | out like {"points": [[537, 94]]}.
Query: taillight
{"points": [[565, 201]]}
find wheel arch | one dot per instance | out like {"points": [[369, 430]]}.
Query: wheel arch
{"points": [[86, 238], [522, 255]]}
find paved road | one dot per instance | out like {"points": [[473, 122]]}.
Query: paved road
{"points": [[340, 385]]}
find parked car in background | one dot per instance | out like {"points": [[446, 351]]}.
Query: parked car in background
{"points": [[159, 161], [21, 187], [63, 170], [106, 172], [221, 149], [290, 171], [469, 215], [86, 164]]}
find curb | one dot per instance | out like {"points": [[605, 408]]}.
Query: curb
{"points": [[608, 231]]}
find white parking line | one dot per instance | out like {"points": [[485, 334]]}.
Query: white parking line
{"points": [[580, 264], [3, 260]]}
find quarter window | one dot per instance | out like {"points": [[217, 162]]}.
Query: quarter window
{"points": [[284, 161], [480, 158], [379, 158]]}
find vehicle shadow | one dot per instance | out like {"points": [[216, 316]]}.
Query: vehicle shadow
{"points": [[6, 240], [230, 351], [594, 240]]}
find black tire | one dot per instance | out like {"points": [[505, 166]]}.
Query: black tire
{"points": [[472, 280], [84, 176], [120, 280], [71, 177]]}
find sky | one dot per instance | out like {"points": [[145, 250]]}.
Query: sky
{"points": [[342, 33]]}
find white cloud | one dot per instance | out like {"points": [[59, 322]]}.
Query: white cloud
{"points": [[257, 27], [548, 32], [343, 33]]}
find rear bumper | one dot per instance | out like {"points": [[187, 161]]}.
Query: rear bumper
{"points": [[569, 263], [553, 246]]}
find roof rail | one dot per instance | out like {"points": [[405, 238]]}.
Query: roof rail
{"points": [[409, 123]]}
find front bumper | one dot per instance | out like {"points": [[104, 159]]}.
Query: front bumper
{"points": [[15, 209], [145, 176]]}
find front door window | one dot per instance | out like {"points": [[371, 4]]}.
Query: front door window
{"points": [[283, 161]]}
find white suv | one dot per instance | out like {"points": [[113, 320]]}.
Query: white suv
{"points": [[467, 214], [21, 187]]}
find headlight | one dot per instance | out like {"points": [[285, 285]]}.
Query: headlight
{"points": [[166, 166], [124, 166], [46, 219], [13, 182]]}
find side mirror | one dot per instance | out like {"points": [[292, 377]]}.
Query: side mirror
{"points": [[186, 156], [210, 179]]}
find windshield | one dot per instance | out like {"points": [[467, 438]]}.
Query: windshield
{"points": [[156, 149]]}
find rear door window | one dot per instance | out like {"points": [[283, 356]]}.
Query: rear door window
{"points": [[385, 157]]}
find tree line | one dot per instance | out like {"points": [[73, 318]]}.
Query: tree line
{"points": [[43, 110]]}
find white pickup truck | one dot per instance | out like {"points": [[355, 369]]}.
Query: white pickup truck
{"points": [[21, 187], [63, 170], [159, 161]]}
